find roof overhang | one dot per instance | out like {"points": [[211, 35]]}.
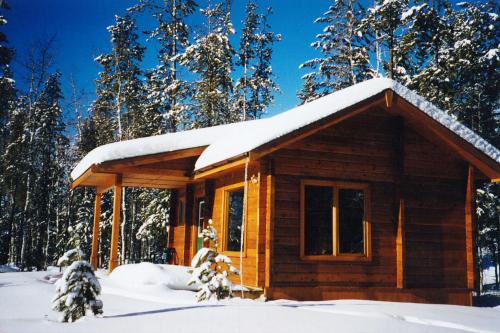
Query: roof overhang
{"points": [[164, 170]]}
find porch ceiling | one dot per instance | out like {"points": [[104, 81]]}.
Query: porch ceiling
{"points": [[172, 170]]}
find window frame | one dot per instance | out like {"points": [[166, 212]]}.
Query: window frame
{"points": [[225, 220], [336, 255]]}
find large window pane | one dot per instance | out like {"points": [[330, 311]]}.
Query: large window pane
{"points": [[235, 218], [351, 216], [318, 220]]}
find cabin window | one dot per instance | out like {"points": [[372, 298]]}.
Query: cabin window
{"points": [[334, 220], [181, 219], [233, 219]]}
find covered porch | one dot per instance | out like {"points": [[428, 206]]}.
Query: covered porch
{"points": [[171, 170]]}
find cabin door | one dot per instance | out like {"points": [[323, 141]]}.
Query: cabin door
{"points": [[200, 219]]}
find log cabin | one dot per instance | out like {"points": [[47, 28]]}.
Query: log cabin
{"points": [[366, 193]]}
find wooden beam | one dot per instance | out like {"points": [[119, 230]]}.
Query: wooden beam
{"points": [[463, 148], [188, 223], [81, 179], [172, 216], [221, 168], [399, 201], [315, 127], [389, 95], [400, 246], [469, 221], [170, 174], [115, 229], [113, 166], [269, 227], [95, 230]]}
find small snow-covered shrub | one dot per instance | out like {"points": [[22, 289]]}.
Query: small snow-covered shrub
{"points": [[77, 292], [69, 257], [210, 269]]}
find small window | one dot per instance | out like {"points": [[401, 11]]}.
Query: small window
{"points": [[233, 219], [182, 213], [334, 220]]}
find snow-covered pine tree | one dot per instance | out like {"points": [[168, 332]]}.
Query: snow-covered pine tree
{"points": [[80, 228], [474, 68], [7, 98], [15, 159], [488, 222], [102, 108], [344, 58], [254, 91], [166, 90], [7, 84], [76, 292], [210, 59], [128, 93], [70, 257], [154, 213], [49, 138], [210, 269], [424, 46], [384, 23]]}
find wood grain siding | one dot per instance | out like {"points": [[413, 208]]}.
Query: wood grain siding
{"points": [[361, 149], [178, 232], [251, 227]]}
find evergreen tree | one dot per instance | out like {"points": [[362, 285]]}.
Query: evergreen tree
{"points": [[210, 58], [16, 162], [7, 98], [425, 46], [119, 86], [474, 68], [48, 141], [167, 91], [344, 57], [254, 90], [385, 23], [7, 84], [153, 231], [76, 292]]}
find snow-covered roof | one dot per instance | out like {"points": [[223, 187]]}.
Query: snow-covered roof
{"points": [[157, 144], [230, 141]]}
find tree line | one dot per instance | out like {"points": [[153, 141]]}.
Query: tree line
{"points": [[207, 74]]}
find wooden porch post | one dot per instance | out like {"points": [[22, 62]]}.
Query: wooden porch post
{"points": [[399, 201], [95, 230], [115, 231], [469, 224], [269, 242]]}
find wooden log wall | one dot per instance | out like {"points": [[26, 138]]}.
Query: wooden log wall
{"points": [[362, 149], [251, 253]]}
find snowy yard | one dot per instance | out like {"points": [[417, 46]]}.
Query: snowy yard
{"points": [[144, 299]]}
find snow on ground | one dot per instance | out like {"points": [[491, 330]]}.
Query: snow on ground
{"points": [[8, 268], [142, 298], [489, 275]]}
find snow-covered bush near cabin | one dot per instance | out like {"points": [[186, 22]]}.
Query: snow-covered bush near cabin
{"points": [[210, 269], [76, 292], [69, 257]]}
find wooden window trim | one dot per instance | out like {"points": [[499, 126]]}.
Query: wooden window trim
{"points": [[194, 224], [336, 256], [225, 227]]}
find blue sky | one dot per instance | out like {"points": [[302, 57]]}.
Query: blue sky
{"points": [[80, 28]]}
